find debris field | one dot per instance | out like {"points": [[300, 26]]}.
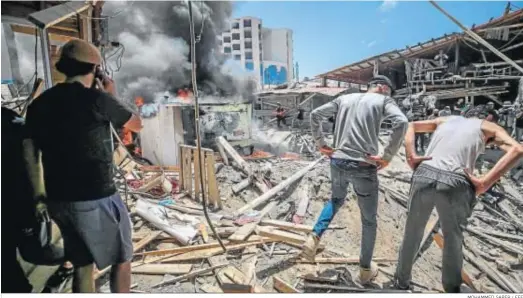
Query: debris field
{"points": [[262, 209]]}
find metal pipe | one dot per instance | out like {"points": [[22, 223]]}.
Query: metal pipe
{"points": [[44, 42]]}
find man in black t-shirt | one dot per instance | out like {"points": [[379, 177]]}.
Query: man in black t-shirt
{"points": [[69, 125]]}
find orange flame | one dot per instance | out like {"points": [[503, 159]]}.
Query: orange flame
{"points": [[138, 101]]}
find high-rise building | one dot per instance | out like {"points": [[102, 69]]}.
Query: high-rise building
{"points": [[266, 52]]}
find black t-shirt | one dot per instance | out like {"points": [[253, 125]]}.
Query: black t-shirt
{"points": [[70, 125], [300, 114]]}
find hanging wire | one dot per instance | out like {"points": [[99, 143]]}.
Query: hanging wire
{"points": [[197, 126]]}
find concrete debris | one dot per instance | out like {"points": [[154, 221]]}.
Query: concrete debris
{"points": [[271, 200]]}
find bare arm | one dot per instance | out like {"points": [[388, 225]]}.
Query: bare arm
{"points": [[425, 126], [35, 171], [514, 152], [318, 116]]}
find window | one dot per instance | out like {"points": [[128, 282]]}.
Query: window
{"points": [[236, 36], [248, 45], [247, 34], [247, 23], [237, 57], [248, 55], [236, 46], [236, 26], [226, 39], [227, 50], [259, 26]]}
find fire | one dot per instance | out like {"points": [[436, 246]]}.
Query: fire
{"points": [[138, 101], [184, 94], [260, 154]]}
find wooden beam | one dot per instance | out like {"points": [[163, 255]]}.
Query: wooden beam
{"points": [[189, 275], [273, 191], [162, 269], [283, 287], [56, 14], [53, 34]]}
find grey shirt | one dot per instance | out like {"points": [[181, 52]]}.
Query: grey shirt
{"points": [[358, 120], [456, 144]]}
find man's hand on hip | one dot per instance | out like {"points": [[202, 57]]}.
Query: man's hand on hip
{"points": [[380, 162], [479, 183], [326, 150], [415, 160]]}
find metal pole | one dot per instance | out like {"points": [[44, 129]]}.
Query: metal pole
{"points": [[197, 125], [478, 38], [44, 42]]}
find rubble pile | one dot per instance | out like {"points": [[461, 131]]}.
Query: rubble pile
{"points": [[270, 203]]}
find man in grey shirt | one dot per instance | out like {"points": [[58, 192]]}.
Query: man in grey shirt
{"points": [[355, 160], [444, 179]]}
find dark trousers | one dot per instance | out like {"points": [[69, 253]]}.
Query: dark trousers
{"points": [[420, 141], [280, 120]]}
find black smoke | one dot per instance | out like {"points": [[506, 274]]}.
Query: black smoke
{"points": [[156, 38]]}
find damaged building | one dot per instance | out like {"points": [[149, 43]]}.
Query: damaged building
{"points": [[450, 67]]}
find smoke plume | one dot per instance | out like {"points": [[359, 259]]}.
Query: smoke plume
{"points": [[156, 39]]}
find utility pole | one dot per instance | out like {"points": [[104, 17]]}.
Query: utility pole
{"points": [[197, 124]]}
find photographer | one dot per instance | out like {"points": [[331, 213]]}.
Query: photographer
{"points": [[69, 125]]}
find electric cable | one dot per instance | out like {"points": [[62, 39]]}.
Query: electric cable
{"points": [[197, 126]]}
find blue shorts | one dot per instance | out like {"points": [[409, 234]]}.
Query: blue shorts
{"points": [[97, 231]]}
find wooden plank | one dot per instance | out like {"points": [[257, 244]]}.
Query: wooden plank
{"points": [[354, 260], [206, 253], [151, 183], [282, 236], [223, 155], [56, 14], [145, 241], [197, 190], [249, 259], [188, 275], [291, 226], [283, 287], [244, 166], [161, 269], [273, 191], [244, 231], [160, 168], [214, 194], [55, 35], [238, 277], [178, 250], [182, 169]]}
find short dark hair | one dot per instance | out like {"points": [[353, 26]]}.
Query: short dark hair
{"points": [[71, 68]]}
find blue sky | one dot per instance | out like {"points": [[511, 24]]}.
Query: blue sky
{"points": [[328, 35]]}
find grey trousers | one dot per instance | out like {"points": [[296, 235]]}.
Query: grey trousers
{"points": [[454, 198]]}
